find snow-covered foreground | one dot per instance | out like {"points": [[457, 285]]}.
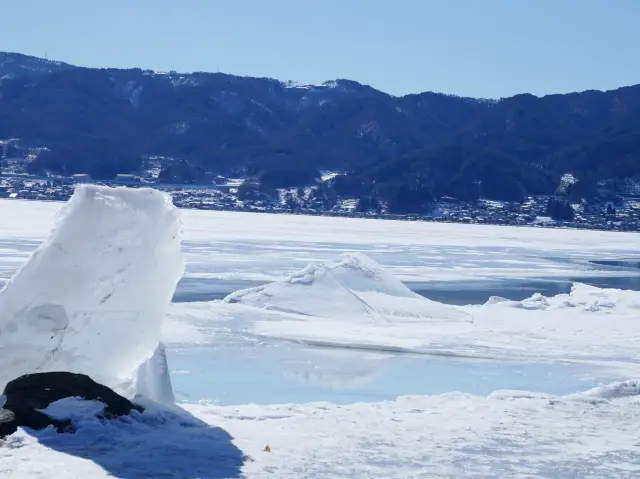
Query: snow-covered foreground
{"points": [[341, 321], [453, 435]]}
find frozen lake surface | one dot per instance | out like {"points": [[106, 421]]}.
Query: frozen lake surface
{"points": [[459, 292], [351, 374], [239, 371], [450, 264], [281, 373]]}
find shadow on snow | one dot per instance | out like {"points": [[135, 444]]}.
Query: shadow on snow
{"points": [[159, 443]]}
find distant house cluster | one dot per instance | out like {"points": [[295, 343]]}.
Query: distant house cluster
{"points": [[122, 178]]}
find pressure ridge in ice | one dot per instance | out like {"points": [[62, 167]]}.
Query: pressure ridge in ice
{"points": [[352, 288], [92, 297]]}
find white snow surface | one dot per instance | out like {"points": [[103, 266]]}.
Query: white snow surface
{"points": [[354, 288], [91, 299], [506, 435]]}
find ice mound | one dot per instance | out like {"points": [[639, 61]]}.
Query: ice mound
{"points": [[610, 391], [91, 299], [354, 287], [582, 297]]}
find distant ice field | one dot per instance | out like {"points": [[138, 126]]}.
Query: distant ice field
{"points": [[257, 248]]}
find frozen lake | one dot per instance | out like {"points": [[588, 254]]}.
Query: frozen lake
{"points": [[238, 371], [281, 373], [458, 292], [342, 369], [450, 264]]}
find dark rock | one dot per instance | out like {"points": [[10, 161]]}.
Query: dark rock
{"points": [[26, 417], [28, 394], [8, 423], [37, 391]]}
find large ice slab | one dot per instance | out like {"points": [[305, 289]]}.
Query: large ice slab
{"points": [[92, 297], [352, 288]]}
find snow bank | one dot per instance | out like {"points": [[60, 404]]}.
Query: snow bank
{"points": [[442, 436], [92, 297], [610, 391], [582, 297], [353, 288]]}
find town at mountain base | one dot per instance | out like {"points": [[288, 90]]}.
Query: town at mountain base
{"points": [[405, 153]]}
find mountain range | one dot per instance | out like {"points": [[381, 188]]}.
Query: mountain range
{"points": [[420, 146]]}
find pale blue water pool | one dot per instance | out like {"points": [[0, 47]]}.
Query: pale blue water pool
{"points": [[288, 373]]}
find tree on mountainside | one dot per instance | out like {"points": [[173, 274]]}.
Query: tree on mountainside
{"points": [[559, 210], [183, 172], [98, 157], [503, 189], [403, 200], [368, 203]]}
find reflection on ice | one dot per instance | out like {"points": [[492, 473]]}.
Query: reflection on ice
{"points": [[286, 373]]}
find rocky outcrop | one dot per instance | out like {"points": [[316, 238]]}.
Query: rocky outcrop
{"points": [[8, 423], [27, 396], [11, 420]]}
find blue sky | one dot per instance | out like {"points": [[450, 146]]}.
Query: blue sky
{"points": [[485, 48]]}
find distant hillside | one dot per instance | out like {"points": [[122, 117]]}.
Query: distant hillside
{"points": [[15, 65], [101, 121]]}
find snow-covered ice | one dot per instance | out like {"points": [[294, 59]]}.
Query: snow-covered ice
{"points": [[349, 324], [588, 325], [354, 303], [247, 246], [354, 288], [91, 299]]}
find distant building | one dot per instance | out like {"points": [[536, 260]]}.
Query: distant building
{"points": [[127, 178], [81, 178]]}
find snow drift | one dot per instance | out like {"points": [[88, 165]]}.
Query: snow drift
{"points": [[92, 297], [611, 391], [583, 297], [355, 287]]}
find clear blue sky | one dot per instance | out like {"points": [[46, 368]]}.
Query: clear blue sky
{"points": [[486, 48]]}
